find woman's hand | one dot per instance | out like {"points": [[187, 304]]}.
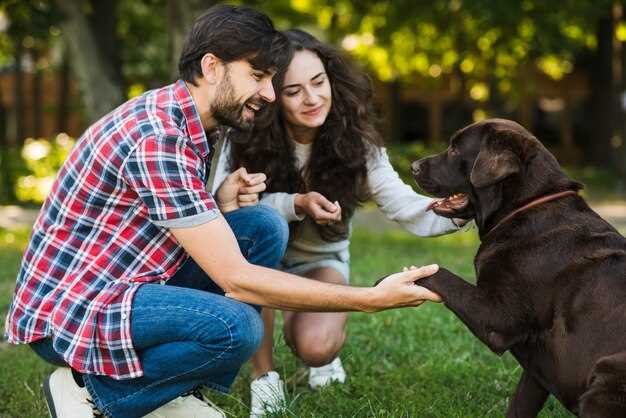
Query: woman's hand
{"points": [[320, 209], [240, 189]]}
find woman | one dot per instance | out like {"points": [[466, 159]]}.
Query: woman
{"points": [[323, 157]]}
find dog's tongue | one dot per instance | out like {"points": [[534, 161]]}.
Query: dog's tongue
{"points": [[448, 204]]}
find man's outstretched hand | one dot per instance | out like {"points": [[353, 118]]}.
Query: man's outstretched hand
{"points": [[401, 290]]}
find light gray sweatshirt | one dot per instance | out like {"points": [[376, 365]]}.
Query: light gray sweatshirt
{"points": [[396, 200]]}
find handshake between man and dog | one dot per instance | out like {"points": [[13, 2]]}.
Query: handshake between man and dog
{"points": [[551, 273]]}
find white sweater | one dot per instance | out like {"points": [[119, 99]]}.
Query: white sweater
{"points": [[396, 200]]}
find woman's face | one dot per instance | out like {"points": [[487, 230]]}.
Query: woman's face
{"points": [[306, 96]]}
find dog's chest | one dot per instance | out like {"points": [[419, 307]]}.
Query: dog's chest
{"points": [[545, 355]]}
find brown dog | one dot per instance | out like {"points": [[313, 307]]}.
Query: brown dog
{"points": [[551, 274]]}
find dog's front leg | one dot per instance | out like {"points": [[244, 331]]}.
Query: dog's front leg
{"points": [[482, 315], [528, 398]]}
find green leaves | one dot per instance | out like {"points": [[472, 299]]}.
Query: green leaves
{"points": [[488, 45]]}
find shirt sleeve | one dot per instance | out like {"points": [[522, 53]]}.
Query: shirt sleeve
{"points": [[284, 205], [220, 166], [169, 176], [399, 202]]}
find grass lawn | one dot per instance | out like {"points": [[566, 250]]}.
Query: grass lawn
{"points": [[416, 362]]}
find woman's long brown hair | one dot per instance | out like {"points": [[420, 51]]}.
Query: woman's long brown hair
{"points": [[337, 165]]}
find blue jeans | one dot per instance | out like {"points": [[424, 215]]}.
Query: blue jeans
{"points": [[187, 333]]}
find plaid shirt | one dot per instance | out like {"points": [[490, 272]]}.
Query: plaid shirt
{"points": [[103, 230]]}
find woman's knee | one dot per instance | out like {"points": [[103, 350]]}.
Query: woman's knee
{"points": [[318, 347]]}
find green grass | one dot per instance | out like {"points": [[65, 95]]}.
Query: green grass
{"points": [[414, 362]]}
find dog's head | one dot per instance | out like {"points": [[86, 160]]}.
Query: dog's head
{"points": [[489, 169]]}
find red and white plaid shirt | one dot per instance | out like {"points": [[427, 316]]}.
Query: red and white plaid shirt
{"points": [[103, 230]]}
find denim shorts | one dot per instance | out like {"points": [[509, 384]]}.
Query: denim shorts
{"points": [[298, 261]]}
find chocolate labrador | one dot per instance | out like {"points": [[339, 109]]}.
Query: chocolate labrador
{"points": [[551, 273]]}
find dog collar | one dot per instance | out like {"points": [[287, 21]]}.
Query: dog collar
{"points": [[534, 203]]}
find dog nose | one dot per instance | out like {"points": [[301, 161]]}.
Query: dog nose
{"points": [[416, 167]]}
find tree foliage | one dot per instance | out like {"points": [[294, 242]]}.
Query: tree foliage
{"points": [[486, 43]]}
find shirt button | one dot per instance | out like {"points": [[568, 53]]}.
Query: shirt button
{"points": [[124, 316]]}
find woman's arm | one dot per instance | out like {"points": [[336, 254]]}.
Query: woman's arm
{"points": [[291, 206], [399, 202], [284, 203]]}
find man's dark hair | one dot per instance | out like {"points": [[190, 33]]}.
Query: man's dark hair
{"points": [[232, 33]]}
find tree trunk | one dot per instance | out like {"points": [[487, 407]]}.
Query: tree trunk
{"points": [[435, 129], [63, 93], [603, 95], [101, 93], [103, 21], [527, 93], [37, 96], [181, 14], [18, 94], [620, 16], [396, 122], [7, 192]]}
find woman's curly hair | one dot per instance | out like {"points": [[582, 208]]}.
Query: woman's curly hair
{"points": [[337, 166]]}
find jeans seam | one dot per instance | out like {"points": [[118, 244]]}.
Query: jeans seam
{"points": [[96, 399], [230, 335], [217, 387]]}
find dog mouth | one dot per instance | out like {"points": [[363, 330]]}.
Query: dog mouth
{"points": [[451, 205]]}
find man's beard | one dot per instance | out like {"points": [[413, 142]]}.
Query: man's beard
{"points": [[227, 110]]}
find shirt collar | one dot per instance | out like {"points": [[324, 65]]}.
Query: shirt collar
{"points": [[192, 118]]}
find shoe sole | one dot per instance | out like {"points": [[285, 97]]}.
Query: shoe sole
{"points": [[45, 387], [330, 382]]}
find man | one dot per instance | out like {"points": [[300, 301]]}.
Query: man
{"points": [[127, 210]]}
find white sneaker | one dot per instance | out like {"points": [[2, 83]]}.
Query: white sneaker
{"points": [[267, 395], [65, 399], [194, 405], [322, 376]]}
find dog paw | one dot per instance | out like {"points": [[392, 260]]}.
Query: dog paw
{"points": [[380, 280]]}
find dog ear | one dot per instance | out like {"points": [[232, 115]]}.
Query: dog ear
{"points": [[491, 165]]}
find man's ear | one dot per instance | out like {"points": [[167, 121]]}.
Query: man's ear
{"points": [[494, 165], [211, 67]]}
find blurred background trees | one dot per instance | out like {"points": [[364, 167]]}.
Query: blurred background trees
{"points": [[437, 65]]}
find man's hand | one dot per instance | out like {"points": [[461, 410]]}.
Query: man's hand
{"points": [[320, 209], [225, 264], [399, 289], [240, 189]]}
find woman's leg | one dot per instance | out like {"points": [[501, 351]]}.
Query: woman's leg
{"points": [[274, 235], [317, 337], [263, 360]]}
